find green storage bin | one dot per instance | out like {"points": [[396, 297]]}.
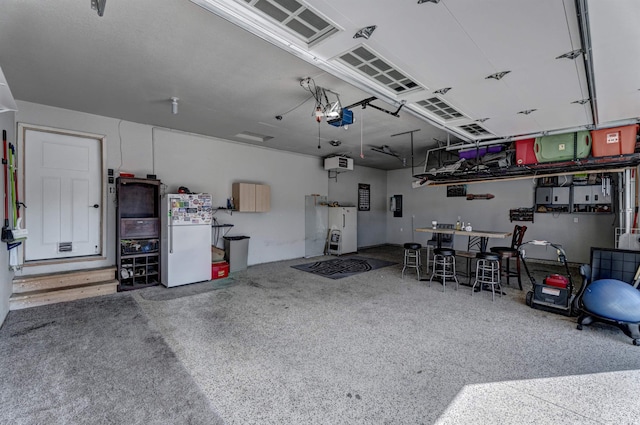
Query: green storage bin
{"points": [[560, 147]]}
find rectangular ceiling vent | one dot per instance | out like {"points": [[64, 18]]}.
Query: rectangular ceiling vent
{"points": [[441, 108], [253, 137], [366, 62], [295, 17], [474, 130]]}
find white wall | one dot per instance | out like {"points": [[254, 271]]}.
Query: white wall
{"points": [[211, 165], [6, 123], [424, 204], [202, 164], [344, 190]]}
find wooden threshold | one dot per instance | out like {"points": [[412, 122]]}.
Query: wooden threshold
{"points": [[52, 281], [44, 297]]}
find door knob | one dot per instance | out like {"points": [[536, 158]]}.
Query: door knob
{"points": [[95, 206]]}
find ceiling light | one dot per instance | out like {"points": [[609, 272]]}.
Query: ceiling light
{"points": [[428, 1], [582, 101], [527, 111], [443, 90], [497, 75], [99, 6], [365, 32], [174, 105], [335, 142], [571, 55]]}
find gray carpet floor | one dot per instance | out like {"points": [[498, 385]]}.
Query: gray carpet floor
{"points": [[276, 345], [94, 361]]}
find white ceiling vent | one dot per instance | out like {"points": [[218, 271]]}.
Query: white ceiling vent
{"points": [[441, 108], [338, 163], [253, 137], [474, 130], [380, 71], [294, 16]]}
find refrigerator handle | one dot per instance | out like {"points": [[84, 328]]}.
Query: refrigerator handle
{"points": [[170, 220], [344, 223], [170, 238]]}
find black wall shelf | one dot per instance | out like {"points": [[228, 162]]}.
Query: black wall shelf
{"points": [[474, 174]]}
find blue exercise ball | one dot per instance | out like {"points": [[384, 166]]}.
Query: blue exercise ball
{"points": [[612, 299]]}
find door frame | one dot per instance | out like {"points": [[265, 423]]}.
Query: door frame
{"points": [[23, 175]]}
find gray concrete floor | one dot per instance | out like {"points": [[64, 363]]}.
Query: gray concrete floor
{"points": [[276, 345]]}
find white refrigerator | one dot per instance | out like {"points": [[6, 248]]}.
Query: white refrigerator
{"points": [[316, 222], [186, 238], [345, 219]]}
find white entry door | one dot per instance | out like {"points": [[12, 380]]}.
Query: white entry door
{"points": [[63, 195]]}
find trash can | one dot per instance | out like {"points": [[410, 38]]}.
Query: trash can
{"points": [[236, 251]]}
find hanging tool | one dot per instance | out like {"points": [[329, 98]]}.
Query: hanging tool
{"points": [[18, 233], [12, 180], [471, 197], [7, 235], [14, 236]]}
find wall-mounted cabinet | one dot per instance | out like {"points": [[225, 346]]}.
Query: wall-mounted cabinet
{"points": [[250, 197], [574, 198], [553, 199], [591, 199]]}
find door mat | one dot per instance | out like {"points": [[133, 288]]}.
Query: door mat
{"points": [[343, 267]]}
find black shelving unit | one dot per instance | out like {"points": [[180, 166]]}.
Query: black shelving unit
{"points": [[138, 233], [532, 170]]}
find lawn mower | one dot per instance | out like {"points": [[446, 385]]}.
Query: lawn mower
{"points": [[555, 293]]}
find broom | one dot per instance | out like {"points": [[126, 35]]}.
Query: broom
{"points": [[7, 234]]}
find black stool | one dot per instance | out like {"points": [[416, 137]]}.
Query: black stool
{"points": [[487, 273], [412, 257], [444, 266], [507, 252]]}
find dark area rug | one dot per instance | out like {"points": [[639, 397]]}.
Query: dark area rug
{"points": [[343, 267], [93, 361]]}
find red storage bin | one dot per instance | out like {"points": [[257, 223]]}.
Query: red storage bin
{"points": [[614, 141], [219, 270], [524, 152]]}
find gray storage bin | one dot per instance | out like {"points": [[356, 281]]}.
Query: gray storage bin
{"points": [[236, 251]]}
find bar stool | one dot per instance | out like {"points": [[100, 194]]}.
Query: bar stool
{"points": [[444, 266], [412, 257], [506, 253], [487, 273]]}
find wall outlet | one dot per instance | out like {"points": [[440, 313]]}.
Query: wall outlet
{"points": [[575, 219], [401, 229]]}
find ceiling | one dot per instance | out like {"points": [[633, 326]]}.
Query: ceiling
{"points": [[237, 69]]}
